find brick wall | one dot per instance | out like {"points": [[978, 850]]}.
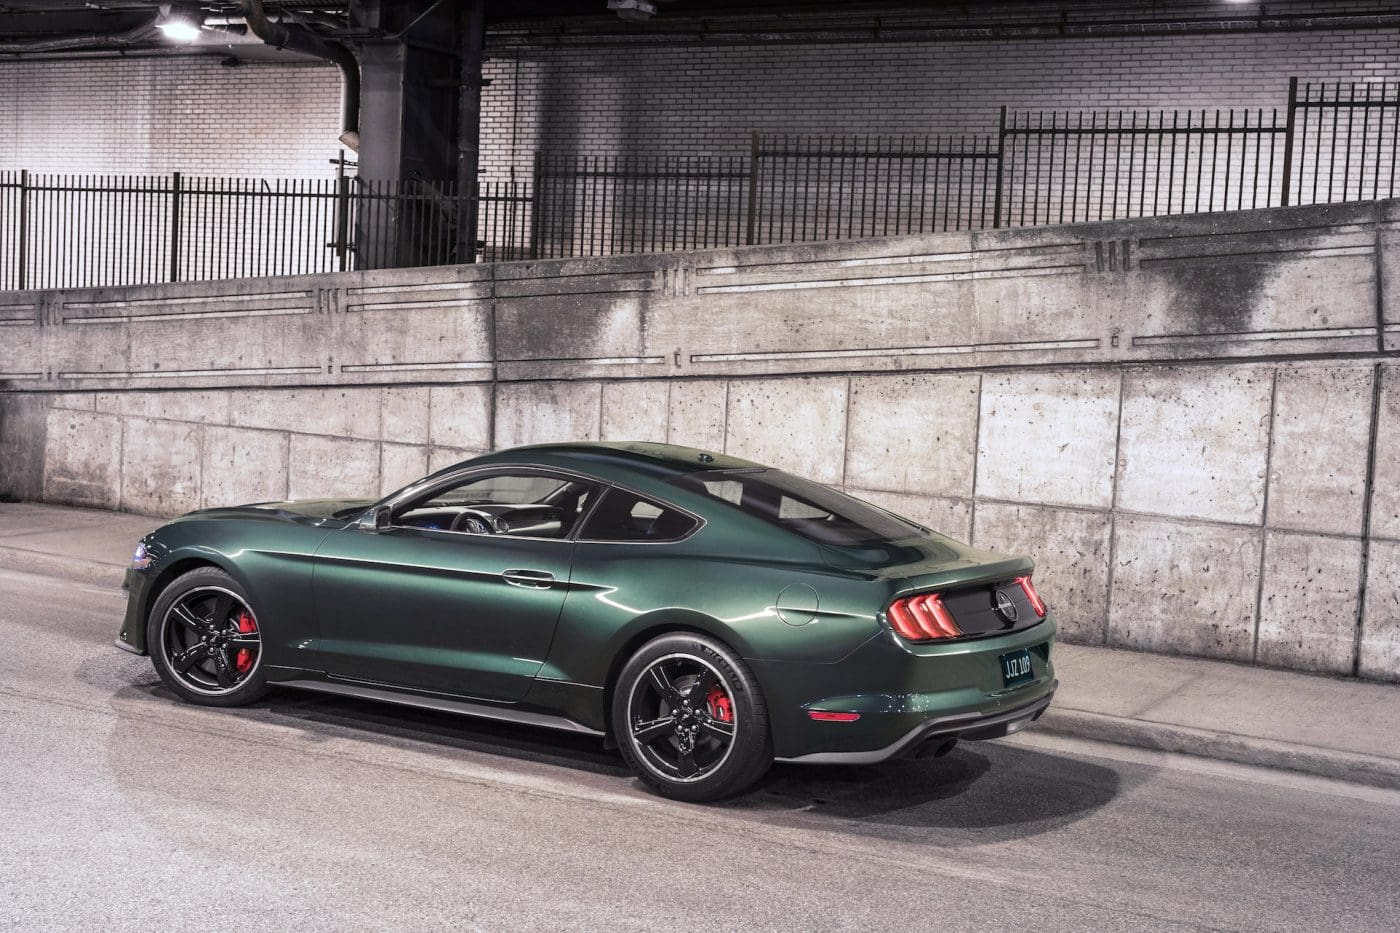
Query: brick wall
{"points": [[698, 100], [192, 115], [161, 115]]}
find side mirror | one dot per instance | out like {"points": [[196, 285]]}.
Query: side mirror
{"points": [[381, 519]]}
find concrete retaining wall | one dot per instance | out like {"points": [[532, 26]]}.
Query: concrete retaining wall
{"points": [[1193, 424]]}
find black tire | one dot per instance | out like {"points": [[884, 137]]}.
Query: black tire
{"points": [[207, 607], [673, 737]]}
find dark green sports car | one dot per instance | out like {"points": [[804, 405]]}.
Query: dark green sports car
{"points": [[705, 613]]}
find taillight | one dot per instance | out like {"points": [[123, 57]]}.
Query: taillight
{"points": [[922, 617], [1037, 603]]}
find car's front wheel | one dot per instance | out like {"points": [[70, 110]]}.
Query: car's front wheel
{"points": [[690, 719], [205, 640]]}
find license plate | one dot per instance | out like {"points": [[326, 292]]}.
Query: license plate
{"points": [[1016, 667]]}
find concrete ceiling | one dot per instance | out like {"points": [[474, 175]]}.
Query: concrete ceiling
{"points": [[105, 27]]}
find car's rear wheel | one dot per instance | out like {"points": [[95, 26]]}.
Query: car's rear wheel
{"points": [[690, 719], [205, 640]]}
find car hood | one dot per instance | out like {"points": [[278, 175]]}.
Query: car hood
{"points": [[313, 510], [928, 562]]}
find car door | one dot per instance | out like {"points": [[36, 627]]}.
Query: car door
{"points": [[461, 592]]}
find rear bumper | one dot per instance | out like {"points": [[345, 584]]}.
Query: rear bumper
{"points": [[897, 697], [971, 726]]}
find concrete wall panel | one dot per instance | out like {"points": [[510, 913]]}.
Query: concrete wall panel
{"points": [[698, 412], [332, 468], [543, 412], [1070, 548], [1317, 465], [403, 414], [460, 416], [913, 434], [231, 343], [71, 351], [1044, 298], [160, 466], [24, 360], [797, 425], [636, 411], [243, 466], [334, 411], [1049, 437], [1194, 442], [439, 458], [593, 324], [1184, 588], [1385, 495], [1308, 613], [401, 464], [1380, 625], [81, 401], [84, 459], [23, 445], [451, 343], [210, 406]]}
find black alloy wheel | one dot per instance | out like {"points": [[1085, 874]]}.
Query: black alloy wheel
{"points": [[690, 719], [205, 640]]}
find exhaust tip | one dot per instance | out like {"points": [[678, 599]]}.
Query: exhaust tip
{"points": [[936, 748]]}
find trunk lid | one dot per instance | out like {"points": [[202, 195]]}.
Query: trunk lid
{"points": [[972, 581]]}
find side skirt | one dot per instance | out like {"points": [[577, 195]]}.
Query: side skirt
{"points": [[441, 704]]}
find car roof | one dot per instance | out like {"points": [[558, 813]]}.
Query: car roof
{"points": [[662, 460]]}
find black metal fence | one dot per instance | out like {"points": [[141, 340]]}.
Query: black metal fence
{"points": [[59, 231], [1329, 142], [1066, 168], [601, 205]]}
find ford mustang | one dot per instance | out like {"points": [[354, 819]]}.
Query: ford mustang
{"points": [[706, 614]]}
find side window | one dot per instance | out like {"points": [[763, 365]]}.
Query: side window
{"points": [[626, 516], [518, 504]]}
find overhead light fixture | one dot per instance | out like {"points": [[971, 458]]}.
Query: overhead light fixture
{"points": [[178, 24], [634, 11]]}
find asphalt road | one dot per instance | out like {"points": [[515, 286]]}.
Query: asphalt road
{"points": [[121, 808]]}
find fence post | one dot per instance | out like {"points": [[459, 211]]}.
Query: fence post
{"points": [[753, 191], [23, 228], [342, 214], [1001, 155], [536, 206], [175, 227], [1288, 139]]}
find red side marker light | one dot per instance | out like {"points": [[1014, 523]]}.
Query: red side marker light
{"points": [[1037, 603], [821, 715]]}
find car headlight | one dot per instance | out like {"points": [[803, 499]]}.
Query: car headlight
{"points": [[142, 558]]}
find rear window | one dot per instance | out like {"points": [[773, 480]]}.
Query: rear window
{"points": [[804, 507]]}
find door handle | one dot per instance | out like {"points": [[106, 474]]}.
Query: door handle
{"points": [[532, 579]]}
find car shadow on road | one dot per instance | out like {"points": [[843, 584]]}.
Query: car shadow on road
{"points": [[979, 793]]}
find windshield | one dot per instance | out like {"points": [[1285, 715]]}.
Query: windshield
{"points": [[803, 507]]}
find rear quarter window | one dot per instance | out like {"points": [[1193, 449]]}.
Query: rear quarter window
{"points": [[626, 516]]}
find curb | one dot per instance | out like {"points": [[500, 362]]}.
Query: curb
{"points": [[1224, 746], [64, 568]]}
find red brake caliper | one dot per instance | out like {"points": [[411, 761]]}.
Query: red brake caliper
{"points": [[720, 707], [243, 660]]}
